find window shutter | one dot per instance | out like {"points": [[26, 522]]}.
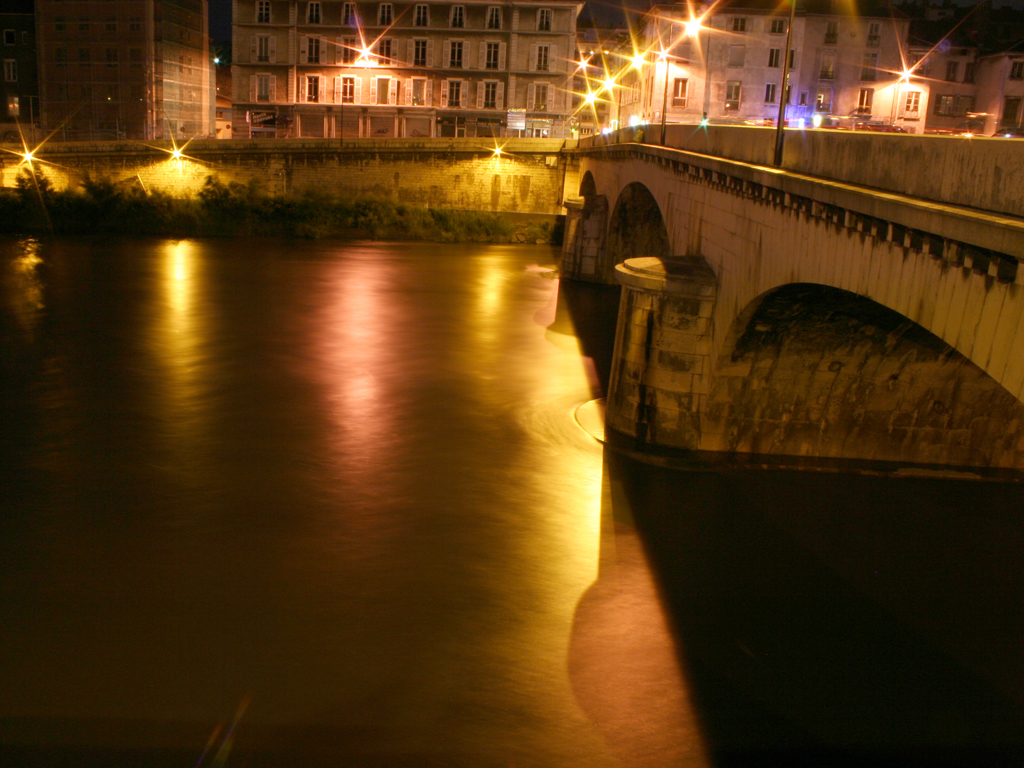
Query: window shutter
{"points": [[252, 47], [322, 89], [446, 54], [408, 93], [273, 88], [529, 96], [252, 87], [430, 53], [358, 87], [273, 49], [467, 54], [373, 90], [501, 55], [480, 88], [444, 93], [553, 58], [410, 52], [393, 91], [303, 86], [482, 58], [464, 93], [532, 63], [500, 98], [429, 95], [303, 47], [337, 89]]}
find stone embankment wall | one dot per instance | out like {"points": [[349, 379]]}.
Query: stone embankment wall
{"points": [[979, 172], [527, 176]]}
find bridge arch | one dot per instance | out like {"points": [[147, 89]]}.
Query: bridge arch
{"points": [[636, 226], [755, 231]]}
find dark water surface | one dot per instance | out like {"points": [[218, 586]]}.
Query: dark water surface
{"points": [[337, 487], [335, 493]]}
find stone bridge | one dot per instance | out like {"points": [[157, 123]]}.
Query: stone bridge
{"points": [[864, 302]]}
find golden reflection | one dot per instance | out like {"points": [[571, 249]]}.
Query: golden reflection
{"points": [[24, 287]]}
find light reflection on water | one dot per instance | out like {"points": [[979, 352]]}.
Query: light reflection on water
{"points": [[342, 479]]}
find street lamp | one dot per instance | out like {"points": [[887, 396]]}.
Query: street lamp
{"points": [[783, 98], [663, 55], [692, 30]]}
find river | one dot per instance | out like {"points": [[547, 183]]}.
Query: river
{"points": [[310, 503]]}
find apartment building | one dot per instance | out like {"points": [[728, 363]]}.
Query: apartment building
{"points": [[333, 68], [843, 67], [125, 69], [19, 98]]}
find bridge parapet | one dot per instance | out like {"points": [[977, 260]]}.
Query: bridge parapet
{"points": [[980, 172]]}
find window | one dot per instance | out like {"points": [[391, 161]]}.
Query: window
{"points": [[490, 95], [262, 12], [679, 89], [83, 25], [262, 87], [313, 13], [1017, 70], [348, 14], [969, 72], [419, 91], [732, 94], [540, 97], [135, 57], [384, 47], [544, 20], [422, 16], [823, 101], [1011, 110], [455, 55], [60, 55], [313, 88], [419, 53], [865, 99], [313, 51], [84, 59], [542, 58], [874, 36], [868, 69], [348, 50], [494, 17], [111, 57], [458, 17], [774, 57], [135, 25], [769, 93], [912, 105], [263, 48], [952, 70], [348, 90], [384, 14], [10, 71], [739, 24], [383, 83], [828, 66], [58, 23], [454, 93], [737, 54], [778, 27], [964, 104], [9, 37], [831, 32], [493, 51]]}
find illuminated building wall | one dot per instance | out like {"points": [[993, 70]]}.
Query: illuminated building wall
{"points": [[382, 70]]}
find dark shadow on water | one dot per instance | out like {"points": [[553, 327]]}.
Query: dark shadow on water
{"points": [[838, 619], [589, 311]]}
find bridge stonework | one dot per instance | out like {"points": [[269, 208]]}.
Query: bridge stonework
{"points": [[887, 394]]}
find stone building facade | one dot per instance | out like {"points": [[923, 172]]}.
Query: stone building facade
{"points": [[331, 68]]}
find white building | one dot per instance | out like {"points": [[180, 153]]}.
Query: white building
{"points": [[329, 68]]}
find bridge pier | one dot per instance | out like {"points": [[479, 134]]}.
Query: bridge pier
{"points": [[661, 367], [583, 248]]}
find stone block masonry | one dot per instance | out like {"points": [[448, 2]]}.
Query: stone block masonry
{"points": [[526, 178]]}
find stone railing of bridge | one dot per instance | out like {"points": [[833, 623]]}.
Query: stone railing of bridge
{"points": [[526, 178], [983, 173]]}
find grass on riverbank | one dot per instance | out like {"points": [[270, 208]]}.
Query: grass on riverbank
{"points": [[219, 210]]}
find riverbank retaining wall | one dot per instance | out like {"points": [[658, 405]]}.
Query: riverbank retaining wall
{"points": [[526, 177]]}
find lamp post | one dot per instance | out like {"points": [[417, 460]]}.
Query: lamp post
{"points": [[664, 99], [692, 29], [903, 78], [779, 134]]}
